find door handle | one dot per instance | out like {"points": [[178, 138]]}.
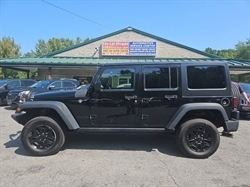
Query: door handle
{"points": [[130, 97], [171, 96]]}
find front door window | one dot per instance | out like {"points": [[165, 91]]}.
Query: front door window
{"points": [[116, 103]]}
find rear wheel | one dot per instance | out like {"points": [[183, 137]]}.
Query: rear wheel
{"points": [[198, 138], [42, 136]]}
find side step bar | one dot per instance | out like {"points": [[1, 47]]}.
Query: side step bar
{"points": [[131, 130]]}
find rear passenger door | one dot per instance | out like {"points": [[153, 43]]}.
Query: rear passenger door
{"points": [[160, 93]]}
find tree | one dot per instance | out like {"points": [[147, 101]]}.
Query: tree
{"points": [[9, 49], [243, 50], [42, 47]]}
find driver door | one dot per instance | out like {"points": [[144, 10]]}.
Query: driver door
{"points": [[116, 103]]}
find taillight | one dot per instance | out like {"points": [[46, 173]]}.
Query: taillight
{"points": [[235, 102]]}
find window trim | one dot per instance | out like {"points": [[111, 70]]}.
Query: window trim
{"points": [[161, 89], [196, 89], [118, 89]]}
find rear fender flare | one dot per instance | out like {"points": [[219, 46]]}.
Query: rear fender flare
{"points": [[194, 106]]}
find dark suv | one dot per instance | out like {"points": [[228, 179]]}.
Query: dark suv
{"points": [[244, 108], [188, 98], [7, 85], [17, 96]]}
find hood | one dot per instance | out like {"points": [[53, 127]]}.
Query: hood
{"points": [[55, 95], [17, 91]]}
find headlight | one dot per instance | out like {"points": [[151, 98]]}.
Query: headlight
{"points": [[23, 96], [31, 96], [23, 93]]}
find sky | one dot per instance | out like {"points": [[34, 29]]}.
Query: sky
{"points": [[199, 24]]}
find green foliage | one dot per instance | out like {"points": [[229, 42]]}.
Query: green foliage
{"points": [[9, 49], [42, 47], [241, 52], [243, 49]]}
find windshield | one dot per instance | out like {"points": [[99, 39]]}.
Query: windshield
{"points": [[40, 84], [2, 82], [246, 87]]}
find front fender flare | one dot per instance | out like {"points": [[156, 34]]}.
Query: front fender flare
{"points": [[59, 107]]}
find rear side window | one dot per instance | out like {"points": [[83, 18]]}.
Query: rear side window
{"points": [[28, 82], [68, 84], [56, 84], [206, 77], [160, 78], [14, 84]]}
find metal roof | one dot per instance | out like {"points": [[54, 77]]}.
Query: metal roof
{"points": [[87, 61]]}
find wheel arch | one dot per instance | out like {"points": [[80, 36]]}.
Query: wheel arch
{"points": [[209, 111], [53, 109]]}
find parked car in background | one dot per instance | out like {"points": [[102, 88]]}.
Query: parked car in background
{"points": [[244, 108], [7, 85], [17, 96]]}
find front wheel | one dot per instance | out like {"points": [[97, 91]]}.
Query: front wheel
{"points": [[42, 136], [198, 138]]}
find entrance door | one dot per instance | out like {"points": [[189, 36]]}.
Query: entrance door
{"points": [[116, 103]]}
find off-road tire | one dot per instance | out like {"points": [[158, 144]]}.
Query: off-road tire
{"points": [[198, 138], [42, 136]]}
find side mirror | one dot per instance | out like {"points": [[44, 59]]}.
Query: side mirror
{"points": [[97, 86], [6, 87]]}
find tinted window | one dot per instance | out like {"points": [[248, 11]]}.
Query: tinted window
{"points": [[246, 87], [203, 77], [14, 84], [2, 82], [41, 84], [117, 78], [160, 77], [56, 84], [68, 84], [28, 82]]}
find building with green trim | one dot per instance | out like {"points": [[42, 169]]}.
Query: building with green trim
{"points": [[127, 45]]}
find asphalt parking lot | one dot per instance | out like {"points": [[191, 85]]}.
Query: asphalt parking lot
{"points": [[147, 160]]}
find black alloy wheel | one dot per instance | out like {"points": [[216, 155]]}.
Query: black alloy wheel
{"points": [[42, 136], [198, 138]]}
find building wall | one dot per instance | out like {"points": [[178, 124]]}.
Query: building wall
{"points": [[45, 73], [163, 50]]}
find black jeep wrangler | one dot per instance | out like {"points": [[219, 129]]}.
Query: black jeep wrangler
{"points": [[191, 99]]}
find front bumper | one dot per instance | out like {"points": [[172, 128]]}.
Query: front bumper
{"points": [[20, 117]]}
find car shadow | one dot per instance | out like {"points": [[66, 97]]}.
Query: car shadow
{"points": [[244, 117], [163, 142], [9, 108], [15, 142], [149, 142]]}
